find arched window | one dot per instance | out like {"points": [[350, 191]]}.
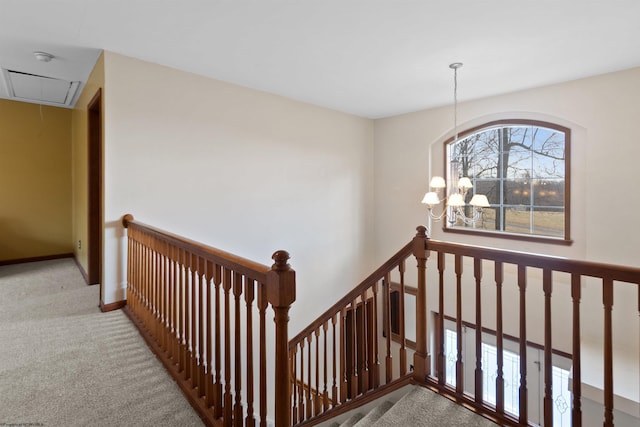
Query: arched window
{"points": [[522, 166]]}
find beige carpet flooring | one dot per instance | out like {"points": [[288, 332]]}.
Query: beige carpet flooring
{"points": [[64, 363]]}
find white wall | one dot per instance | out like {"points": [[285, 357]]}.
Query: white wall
{"points": [[241, 170]]}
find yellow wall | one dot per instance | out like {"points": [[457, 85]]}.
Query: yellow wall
{"points": [[80, 161], [35, 180]]}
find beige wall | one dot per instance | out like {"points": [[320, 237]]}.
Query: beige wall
{"points": [[238, 169], [35, 180], [80, 162], [601, 113]]}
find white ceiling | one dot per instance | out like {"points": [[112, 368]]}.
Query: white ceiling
{"points": [[366, 57]]}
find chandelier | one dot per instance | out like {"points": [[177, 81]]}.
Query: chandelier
{"points": [[455, 194]]}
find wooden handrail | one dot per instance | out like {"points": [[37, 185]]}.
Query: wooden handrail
{"points": [[584, 268], [195, 306], [367, 366], [234, 262]]}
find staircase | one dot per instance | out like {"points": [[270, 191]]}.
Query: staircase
{"points": [[410, 406]]}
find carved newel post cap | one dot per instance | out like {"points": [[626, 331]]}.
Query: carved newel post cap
{"points": [[126, 219], [280, 257], [422, 231]]}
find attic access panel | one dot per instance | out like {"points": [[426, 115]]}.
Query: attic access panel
{"points": [[41, 89]]}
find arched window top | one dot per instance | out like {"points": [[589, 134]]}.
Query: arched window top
{"points": [[522, 166]]}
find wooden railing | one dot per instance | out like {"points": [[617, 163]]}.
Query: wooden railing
{"points": [[349, 354], [203, 311]]}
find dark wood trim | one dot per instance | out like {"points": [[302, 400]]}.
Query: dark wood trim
{"points": [[112, 306], [566, 240], [36, 259], [94, 189], [83, 272], [510, 236]]}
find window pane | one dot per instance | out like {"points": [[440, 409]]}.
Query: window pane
{"points": [[521, 169], [548, 153], [548, 222], [561, 397], [548, 192], [518, 162], [517, 219]]}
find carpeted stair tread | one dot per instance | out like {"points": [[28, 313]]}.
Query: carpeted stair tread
{"points": [[353, 420], [422, 407], [374, 414]]}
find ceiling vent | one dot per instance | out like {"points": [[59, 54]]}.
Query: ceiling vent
{"points": [[39, 89]]}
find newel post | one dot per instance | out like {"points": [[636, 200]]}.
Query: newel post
{"points": [[421, 358], [281, 293]]}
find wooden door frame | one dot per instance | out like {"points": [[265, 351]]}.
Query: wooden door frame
{"points": [[94, 189]]}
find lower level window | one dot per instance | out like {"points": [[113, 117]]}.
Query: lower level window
{"points": [[511, 376]]}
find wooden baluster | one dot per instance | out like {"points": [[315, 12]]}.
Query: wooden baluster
{"points": [[442, 358], [147, 285], [303, 391], [421, 357], [188, 282], [217, 384], [249, 292], [144, 282], [181, 305], [228, 402], [353, 390], [131, 270], [176, 303], [309, 391], [170, 300], [376, 350], [389, 358], [325, 392], [155, 277], [477, 272], [166, 324], [294, 385], [195, 284], [202, 285], [364, 340], [317, 402], [522, 285], [344, 380], [576, 395], [403, 337], [209, 400], [548, 366], [459, 360], [607, 301], [152, 289], [499, 339], [334, 389], [137, 273], [237, 408], [160, 298], [262, 310]]}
